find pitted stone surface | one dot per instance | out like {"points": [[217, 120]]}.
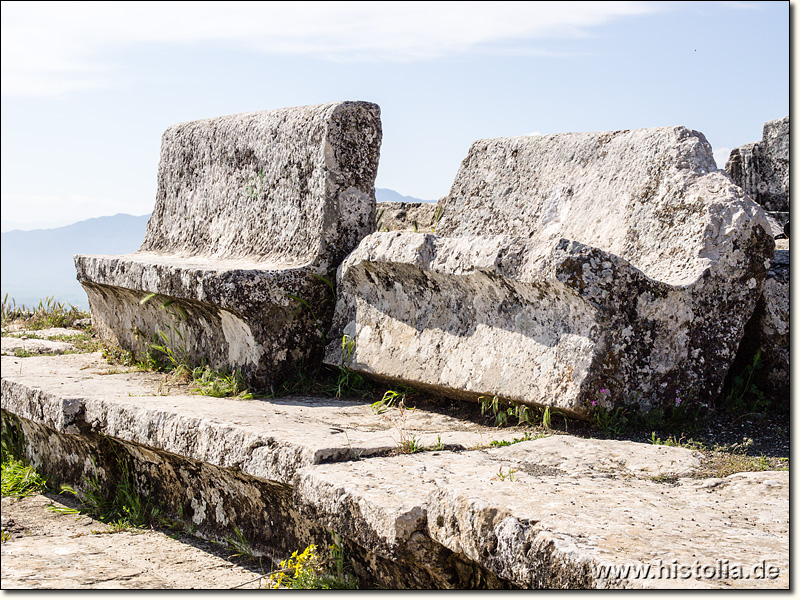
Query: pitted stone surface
{"points": [[547, 512], [251, 210], [268, 439], [406, 216], [557, 528], [49, 550], [762, 168], [614, 458], [14, 345], [768, 331], [562, 265]]}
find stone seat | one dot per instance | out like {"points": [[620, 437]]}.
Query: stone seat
{"points": [[570, 271], [253, 213]]}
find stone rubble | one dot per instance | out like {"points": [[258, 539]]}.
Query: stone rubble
{"points": [[406, 216]]}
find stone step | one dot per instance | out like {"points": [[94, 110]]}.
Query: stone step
{"points": [[558, 511]]}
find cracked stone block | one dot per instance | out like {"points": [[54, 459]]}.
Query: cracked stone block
{"points": [[768, 331], [563, 265], [558, 511], [253, 212], [599, 507], [762, 168]]}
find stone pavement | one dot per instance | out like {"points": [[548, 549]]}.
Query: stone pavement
{"points": [[51, 550], [558, 511]]}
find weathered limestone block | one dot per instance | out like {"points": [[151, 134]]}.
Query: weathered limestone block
{"points": [[562, 265], [768, 331], [762, 168], [778, 221], [267, 439], [251, 211], [556, 513], [549, 512], [406, 216]]}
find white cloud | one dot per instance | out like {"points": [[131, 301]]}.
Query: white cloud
{"points": [[721, 156], [30, 211], [56, 47]]}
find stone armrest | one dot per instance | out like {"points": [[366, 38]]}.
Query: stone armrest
{"points": [[606, 281]]}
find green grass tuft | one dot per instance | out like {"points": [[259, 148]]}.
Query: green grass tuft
{"points": [[48, 313], [20, 480]]}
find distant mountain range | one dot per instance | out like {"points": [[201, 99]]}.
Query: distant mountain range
{"points": [[384, 195], [38, 263]]}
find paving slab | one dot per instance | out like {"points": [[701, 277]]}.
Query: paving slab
{"points": [[269, 439], [14, 345], [51, 550], [553, 512], [543, 522]]}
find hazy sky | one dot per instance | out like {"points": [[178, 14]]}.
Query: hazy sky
{"points": [[88, 88]]}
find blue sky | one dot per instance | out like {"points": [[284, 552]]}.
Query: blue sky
{"points": [[88, 88]]}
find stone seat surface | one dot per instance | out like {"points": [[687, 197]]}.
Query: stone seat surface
{"points": [[253, 213], [192, 278], [561, 266]]}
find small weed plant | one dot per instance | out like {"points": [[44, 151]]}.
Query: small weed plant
{"points": [[220, 384], [390, 399], [681, 442], [120, 505], [379, 220], [392, 407], [613, 422], [510, 475], [410, 444], [307, 570], [239, 546], [504, 412], [167, 353], [501, 443], [673, 414], [19, 479], [436, 217], [743, 396], [348, 382]]}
